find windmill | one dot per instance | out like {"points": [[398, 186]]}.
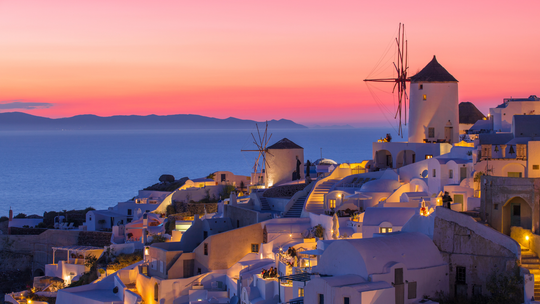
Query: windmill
{"points": [[261, 163], [401, 66]]}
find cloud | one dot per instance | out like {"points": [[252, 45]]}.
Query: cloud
{"points": [[16, 104]]}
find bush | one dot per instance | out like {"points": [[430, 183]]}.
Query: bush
{"points": [[123, 260], [4, 219], [170, 210]]}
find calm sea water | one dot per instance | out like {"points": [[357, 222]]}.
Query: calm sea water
{"points": [[56, 170]]}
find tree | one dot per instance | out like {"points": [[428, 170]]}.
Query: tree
{"points": [[20, 215]]}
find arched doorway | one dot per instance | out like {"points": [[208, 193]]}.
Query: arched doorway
{"points": [[516, 212], [38, 272], [405, 157], [383, 159]]}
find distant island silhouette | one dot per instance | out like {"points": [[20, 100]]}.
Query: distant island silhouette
{"points": [[17, 121]]}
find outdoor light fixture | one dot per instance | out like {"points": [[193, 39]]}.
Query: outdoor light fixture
{"points": [[527, 237], [290, 235], [146, 250]]}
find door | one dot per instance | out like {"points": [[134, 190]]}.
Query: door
{"points": [[462, 173], [189, 268], [399, 286], [458, 199], [448, 134], [515, 217]]}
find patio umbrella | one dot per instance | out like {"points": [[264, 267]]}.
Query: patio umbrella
{"points": [[335, 227], [358, 196]]}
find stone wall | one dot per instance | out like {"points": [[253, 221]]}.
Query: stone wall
{"points": [[286, 191], [474, 247]]}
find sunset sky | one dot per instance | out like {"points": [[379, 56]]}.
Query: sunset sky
{"points": [[299, 60]]}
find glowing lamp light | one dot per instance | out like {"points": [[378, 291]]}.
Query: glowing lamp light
{"points": [[527, 237], [146, 250], [290, 235]]}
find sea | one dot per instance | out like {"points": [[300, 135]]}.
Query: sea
{"points": [[65, 170]]}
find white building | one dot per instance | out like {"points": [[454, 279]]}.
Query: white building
{"points": [[380, 270], [284, 158], [501, 116]]}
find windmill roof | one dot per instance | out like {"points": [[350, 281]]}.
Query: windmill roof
{"points": [[434, 72], [285, 143], [469, 114]]}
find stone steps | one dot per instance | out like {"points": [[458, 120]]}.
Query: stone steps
{"points": [[531, 261]]}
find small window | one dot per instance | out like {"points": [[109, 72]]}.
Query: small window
{"points": [[450, 173], [321, 298], [300, 292], [496, 206], [332, 203], [346, 300], [385, 229], [156, 292], [205, 248], [434, 172], [412, 290], [237, 223], [535, 167], [431, 132], [129, 212], [254, 247], [424, 97], [461, 275], [421, 87], [429, 156], [199, 271], [223, 177]]}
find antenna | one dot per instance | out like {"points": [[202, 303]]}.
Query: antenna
{"points": [[261, 163], [400, 82]]}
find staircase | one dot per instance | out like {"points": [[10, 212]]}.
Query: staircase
{"points": [[531, 261], [315, 201], [296, 208], [264, 203]]}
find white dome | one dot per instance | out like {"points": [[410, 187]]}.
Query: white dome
{"points": [[380, 185], [324, 161]]}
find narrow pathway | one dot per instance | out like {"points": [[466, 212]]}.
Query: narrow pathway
{"points": [[531, 261]]}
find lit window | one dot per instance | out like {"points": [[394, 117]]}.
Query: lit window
{"points": [[429, 156], [332, 203], [300, 292], [385, 229], [424, 97]]}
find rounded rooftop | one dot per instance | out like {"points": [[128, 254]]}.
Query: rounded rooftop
{"points": [[380, 185]]}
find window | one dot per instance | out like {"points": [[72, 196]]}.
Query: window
{"points": [[129, 212], [254, 247], [332, 203], [321, 298], [412, 290], [424, 97], [237, 223], [156, 292], [420, 86], [496, 206], [514, 174], [516, 210], [205, 235], [461, 275], [223, 177], [129, 220], [346, 300], [434, 172], [535, 167], [385, 229], [205, 248], [450, 173], [429, 156], [431, 132], [300, 292]]}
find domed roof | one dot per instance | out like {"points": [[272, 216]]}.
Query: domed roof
{"points": [[285, 143], [380, 185], [324, 161]]}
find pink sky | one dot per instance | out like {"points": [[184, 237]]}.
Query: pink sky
{"points": [[299, 60]]}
